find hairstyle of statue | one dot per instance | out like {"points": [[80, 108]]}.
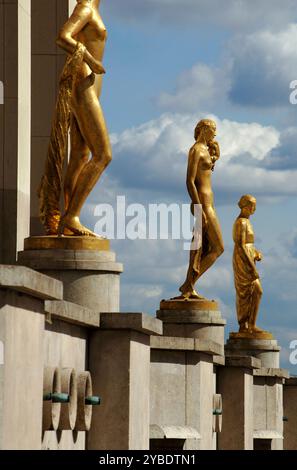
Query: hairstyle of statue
{"points": [[202, 125], [246, 200]]}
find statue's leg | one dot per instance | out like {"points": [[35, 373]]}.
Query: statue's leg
{"points": [[256, 300], [215, 239], [79, 156], [92, 125], [188, 288]]}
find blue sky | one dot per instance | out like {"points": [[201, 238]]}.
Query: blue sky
{"points": [[170, 63]]}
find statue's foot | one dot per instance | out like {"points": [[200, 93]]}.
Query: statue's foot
{"points": [[73, 225], [195, 295], [255, 329], [192, 294], [244, 328]]}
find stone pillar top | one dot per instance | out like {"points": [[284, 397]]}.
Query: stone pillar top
{"points": [[28, 281], [140, 322]]}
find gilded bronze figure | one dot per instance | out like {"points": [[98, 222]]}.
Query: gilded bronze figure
{"points": [[78, 109], [201, 163], [246, 278]]}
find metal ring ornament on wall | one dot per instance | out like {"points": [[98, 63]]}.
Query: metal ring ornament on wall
{"points": [[51, 409], [69, 404], [84, 406]]}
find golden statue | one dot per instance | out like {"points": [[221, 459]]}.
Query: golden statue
{"points": [[201, 163], [246, 278], [78, 109]]}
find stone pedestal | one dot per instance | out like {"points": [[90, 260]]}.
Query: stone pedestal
{"points": [[267, 350], [22, 319], [88, 270], [268, 408], [119, 361], [183, 386], [199, 319], [290, 414], [235, 384]]}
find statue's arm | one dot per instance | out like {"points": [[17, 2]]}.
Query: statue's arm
{"points": [[193, 160], [240, 240], [66, 38]]}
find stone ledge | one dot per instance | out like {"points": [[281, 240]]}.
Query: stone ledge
{"points": [[140, 322], [185, 344], [270, 372], [267, 434], [207, 317], [82, 260], [72, 313], [247, 362], [291, 382], [28, 281], [219, 360], [159, 431], [248, 345]]}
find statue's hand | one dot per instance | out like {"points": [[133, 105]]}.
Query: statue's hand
{"points": [[258, 256], [204, 218], [214, 148], [96, 66]]}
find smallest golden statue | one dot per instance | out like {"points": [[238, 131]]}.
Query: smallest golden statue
{"points": [[246, 278]]}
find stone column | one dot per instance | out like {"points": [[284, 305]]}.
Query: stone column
{"points": [[193, 319], [183, 385], [267, 350], [119, 361], [88, 270], [290, 414], [15, 73], [235, 384], [48, 16], [22, 294], [268, 408]]}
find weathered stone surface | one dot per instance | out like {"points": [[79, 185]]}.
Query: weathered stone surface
{"points": [[191, 316], [270, 372], [119, 361], [84, 260], [248, 362], [185, 344], [28, 281], [132, 321], [265, 350], [72, 313], [235, 384], [173, 432]]}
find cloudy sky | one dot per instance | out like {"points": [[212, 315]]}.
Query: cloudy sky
{"points": [[169, 63]]}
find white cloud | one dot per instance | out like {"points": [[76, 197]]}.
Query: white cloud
{"points": [[264, 64], [199, 87], [235, 14], [256, 71]]}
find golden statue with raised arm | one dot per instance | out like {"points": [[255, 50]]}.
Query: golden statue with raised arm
{"points": [[78, 109], [246, 278], [201, 162]]}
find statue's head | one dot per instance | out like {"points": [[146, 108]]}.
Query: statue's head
{"points": [[248, 203], [205, 128]]}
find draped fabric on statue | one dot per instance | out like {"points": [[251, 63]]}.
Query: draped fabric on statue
{"points": [[244, 280], [49, 191]]}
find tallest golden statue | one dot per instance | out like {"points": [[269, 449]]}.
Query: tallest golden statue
{"points": [[78, 109]]}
